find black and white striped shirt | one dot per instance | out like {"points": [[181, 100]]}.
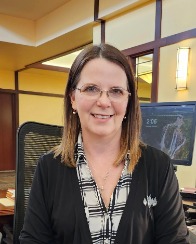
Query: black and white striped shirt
{"points": [[103, 222]]}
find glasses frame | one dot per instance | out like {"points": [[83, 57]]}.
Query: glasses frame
{"points": [[101, 92]]}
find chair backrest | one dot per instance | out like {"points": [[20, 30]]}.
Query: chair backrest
{"points": [[33, 140]]}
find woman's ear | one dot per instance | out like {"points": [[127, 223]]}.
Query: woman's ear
{"points": [[73, 101]]}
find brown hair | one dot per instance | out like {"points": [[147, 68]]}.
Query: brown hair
{"points": [[131, 126]]}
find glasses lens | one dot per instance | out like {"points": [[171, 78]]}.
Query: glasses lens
{"points": [[90, 90], [117, 94]]}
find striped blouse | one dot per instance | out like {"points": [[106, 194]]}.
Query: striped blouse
{"points": [[103, 222]]}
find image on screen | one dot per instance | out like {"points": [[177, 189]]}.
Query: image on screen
{"points": [[170, 128]]}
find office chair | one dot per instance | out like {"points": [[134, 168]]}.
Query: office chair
{"points": [[33, 140]]}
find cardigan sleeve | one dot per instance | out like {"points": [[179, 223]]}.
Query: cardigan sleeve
{"points": [[170, 226], [37, 227]]}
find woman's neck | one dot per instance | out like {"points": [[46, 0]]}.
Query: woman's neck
{"points": [[102, 149]]}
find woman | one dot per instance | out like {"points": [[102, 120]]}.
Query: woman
{"points": [[102, 185]]}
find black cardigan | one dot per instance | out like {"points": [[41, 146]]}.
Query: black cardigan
{"points": [[55, 213]]}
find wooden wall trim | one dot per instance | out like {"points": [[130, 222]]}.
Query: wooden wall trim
{"points": [[158, 19], [96, 10], [30, 93], [15, 122], [156, 53], [165, 41], [102, 31], [16, 100], [97, 19], [169, 40], [155, 75], [7, 91], [40, 94]]}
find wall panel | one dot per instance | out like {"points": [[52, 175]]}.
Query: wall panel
{"points": [[7, 132]]}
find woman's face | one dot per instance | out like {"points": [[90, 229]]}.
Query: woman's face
{"points": [[99, 116]]}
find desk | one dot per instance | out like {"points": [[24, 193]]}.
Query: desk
{"points": [[6, 217], [189, 203], [190, 209]]}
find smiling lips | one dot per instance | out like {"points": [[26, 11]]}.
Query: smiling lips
{"points": [[101, 116]]}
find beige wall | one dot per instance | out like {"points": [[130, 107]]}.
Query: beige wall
{"points": [[178, 16], [7, 79], [38, 80], [43, 109], [122, 32]]}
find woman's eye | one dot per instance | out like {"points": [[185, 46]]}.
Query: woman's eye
{"points": [[116, 91], [91, 89]]}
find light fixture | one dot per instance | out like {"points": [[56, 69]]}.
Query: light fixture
{"points": [[182, 68]]}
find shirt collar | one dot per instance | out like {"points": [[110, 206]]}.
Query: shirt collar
{"points": [[79, 150]]}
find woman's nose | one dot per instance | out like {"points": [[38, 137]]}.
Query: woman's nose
{"points": [[102, 92], [104, 99]]}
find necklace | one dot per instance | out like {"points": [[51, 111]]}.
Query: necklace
{"points": [[104, 180], [101, 188]]}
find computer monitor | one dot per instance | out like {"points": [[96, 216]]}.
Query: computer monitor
{"points": [[170, 127]]}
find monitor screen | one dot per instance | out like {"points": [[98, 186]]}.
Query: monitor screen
{"points": [[170, 127]]}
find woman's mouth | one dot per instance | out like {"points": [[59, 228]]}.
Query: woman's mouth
{"points": [[102, 116]]}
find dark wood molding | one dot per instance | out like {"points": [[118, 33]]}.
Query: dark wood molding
{"points": [[140, 49], [155, 75], [15, 122], [156, 53], [97, 19], [16, 80], [7, 91], [169, 40], [40, 94], [165, 41], [18, 92], [96, 10], [102, 31], [158, 19], [16, 105]]}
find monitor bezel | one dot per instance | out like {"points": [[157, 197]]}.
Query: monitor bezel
{"points": [[193, 129]]}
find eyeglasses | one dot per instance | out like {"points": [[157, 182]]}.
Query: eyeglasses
{"points": [[115, 94]]}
